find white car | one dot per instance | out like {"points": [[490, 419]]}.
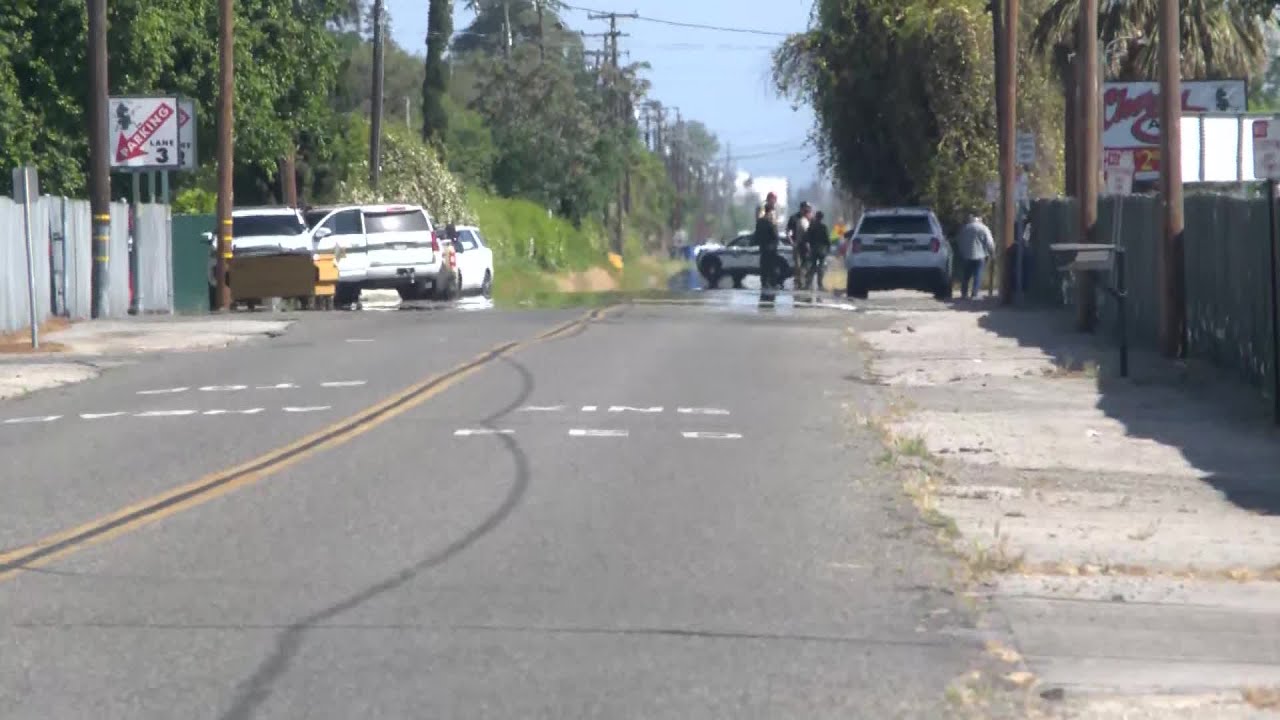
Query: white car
{"points": [[260, 231], [898, 248], [740, 258], [475, 260], [385, 246]]}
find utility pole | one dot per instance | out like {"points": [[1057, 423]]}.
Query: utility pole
{"points": [[226, 155], [1009, 94], [376, 101], [99, 161], [1090, 153], [1169, 252], [620, 106]]}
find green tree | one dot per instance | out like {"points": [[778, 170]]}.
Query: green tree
{"points": [[435, 82]]}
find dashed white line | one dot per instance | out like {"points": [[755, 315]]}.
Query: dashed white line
{"points": [[277, 386], [224, 388], [165, 413], [588, 432], [250, 411], [696, 435], [164, 391], [343, 383], [469, 432], [701, 411], [27, 420], [313, 408], [359, 340], [628, 408], [99, 416], [589, 408], [542, 408]]}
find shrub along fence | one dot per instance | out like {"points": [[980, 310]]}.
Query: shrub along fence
{"points": [[1226, 270]]}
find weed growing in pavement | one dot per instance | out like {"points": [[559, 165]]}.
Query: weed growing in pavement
{"points": [[1262, 698], [912, 446]]}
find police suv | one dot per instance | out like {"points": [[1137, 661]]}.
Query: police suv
{"points": [[740, 258]]}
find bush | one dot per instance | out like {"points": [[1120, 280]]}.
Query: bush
{"points": [[411, 173], [510, 224]]}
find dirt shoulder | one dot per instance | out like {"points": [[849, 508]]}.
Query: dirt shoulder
{"points": [[1126, 530]]}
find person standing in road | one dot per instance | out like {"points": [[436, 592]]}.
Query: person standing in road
{"points": [[766, 238], [974, 244], [798, 236], [818, 245]]}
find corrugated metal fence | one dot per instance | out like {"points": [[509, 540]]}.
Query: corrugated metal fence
{"points": [[1226, 270], [62, 243]]}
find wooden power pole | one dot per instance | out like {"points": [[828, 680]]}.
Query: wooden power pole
{"points": [[1169, 251], [1008, 92], [226, 148], [1090, 152], [99, 160]]}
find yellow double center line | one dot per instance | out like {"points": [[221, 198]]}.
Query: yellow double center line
{"points": [[219, 483]]}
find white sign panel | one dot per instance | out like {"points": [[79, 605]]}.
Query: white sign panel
{"points": [[1266, 149], [1118, 169], [144, 133], [1025, 150], [1131, 115], [187, 157]]}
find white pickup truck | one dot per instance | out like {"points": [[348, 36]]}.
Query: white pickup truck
{"points": [[385, 246]]}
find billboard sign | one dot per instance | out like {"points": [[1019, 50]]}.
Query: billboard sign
{"points": [[144, 133], [1131, 115]]}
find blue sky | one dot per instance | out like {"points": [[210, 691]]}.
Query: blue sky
{"points": [[719, 78]]}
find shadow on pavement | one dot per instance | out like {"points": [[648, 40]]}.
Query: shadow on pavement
{"points": [[1221, 427]]}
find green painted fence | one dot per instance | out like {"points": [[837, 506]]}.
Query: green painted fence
{"points": [[191, 263], [1226, 271]]}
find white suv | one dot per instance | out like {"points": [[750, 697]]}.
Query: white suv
{"points": [[385, 246], [898, 248]]}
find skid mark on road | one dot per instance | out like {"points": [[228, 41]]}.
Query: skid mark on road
{"points": [[220, 483]]}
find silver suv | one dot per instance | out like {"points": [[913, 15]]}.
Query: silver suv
{"points": [[898, 249]]}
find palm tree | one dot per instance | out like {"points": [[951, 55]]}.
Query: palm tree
{"points": [[1220, 39]]}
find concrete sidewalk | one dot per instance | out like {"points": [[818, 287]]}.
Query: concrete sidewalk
{"points": [[1127, 530], [76, 353]]}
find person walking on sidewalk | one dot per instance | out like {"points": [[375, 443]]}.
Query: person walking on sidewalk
{"points": [[974, 244]]}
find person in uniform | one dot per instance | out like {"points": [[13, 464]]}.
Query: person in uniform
{"points": [[766, 238], [819, 244]]}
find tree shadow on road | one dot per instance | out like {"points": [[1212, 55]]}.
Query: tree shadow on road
{"points": [[1221, 426], [257, 689]]}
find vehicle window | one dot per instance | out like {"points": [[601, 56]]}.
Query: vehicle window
{"points": [[348, 223], [396, 222], [895, 225], [744, 241], [314, 217], [467, 240], [480, 241], [260, 225]]}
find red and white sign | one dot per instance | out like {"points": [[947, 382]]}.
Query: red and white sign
{"points": [[187, 158], [1266, 149], [145, 133], [1118, 168], [1131, 115]]}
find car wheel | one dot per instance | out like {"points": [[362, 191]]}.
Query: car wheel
{"points": [[712, 270], [944, 289], [486, 287], [853, 288]]}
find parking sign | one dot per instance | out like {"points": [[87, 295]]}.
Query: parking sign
{"points": [[144, 133]]}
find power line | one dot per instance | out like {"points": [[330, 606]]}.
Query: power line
{"points": [[695, 26]]}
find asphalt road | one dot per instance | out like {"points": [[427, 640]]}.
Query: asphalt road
{"points": [[663, 511]]}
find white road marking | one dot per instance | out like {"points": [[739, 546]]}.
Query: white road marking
{"points": [[166, 391], [702, 411], [589, 408], [579, 432], [165, 413], [277, 386], [99, 416], [314, 408], [542, 408], [628, 408], [250, 411], [469, 432], [37, 419], [343, 383], [359, 340], [224, 388], [711, 435]]}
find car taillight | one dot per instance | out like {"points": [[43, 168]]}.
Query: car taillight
{"points": [[935, 245], [435, 242]]}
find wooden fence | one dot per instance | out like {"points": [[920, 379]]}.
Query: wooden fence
{"points": [[1226, 271]]}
